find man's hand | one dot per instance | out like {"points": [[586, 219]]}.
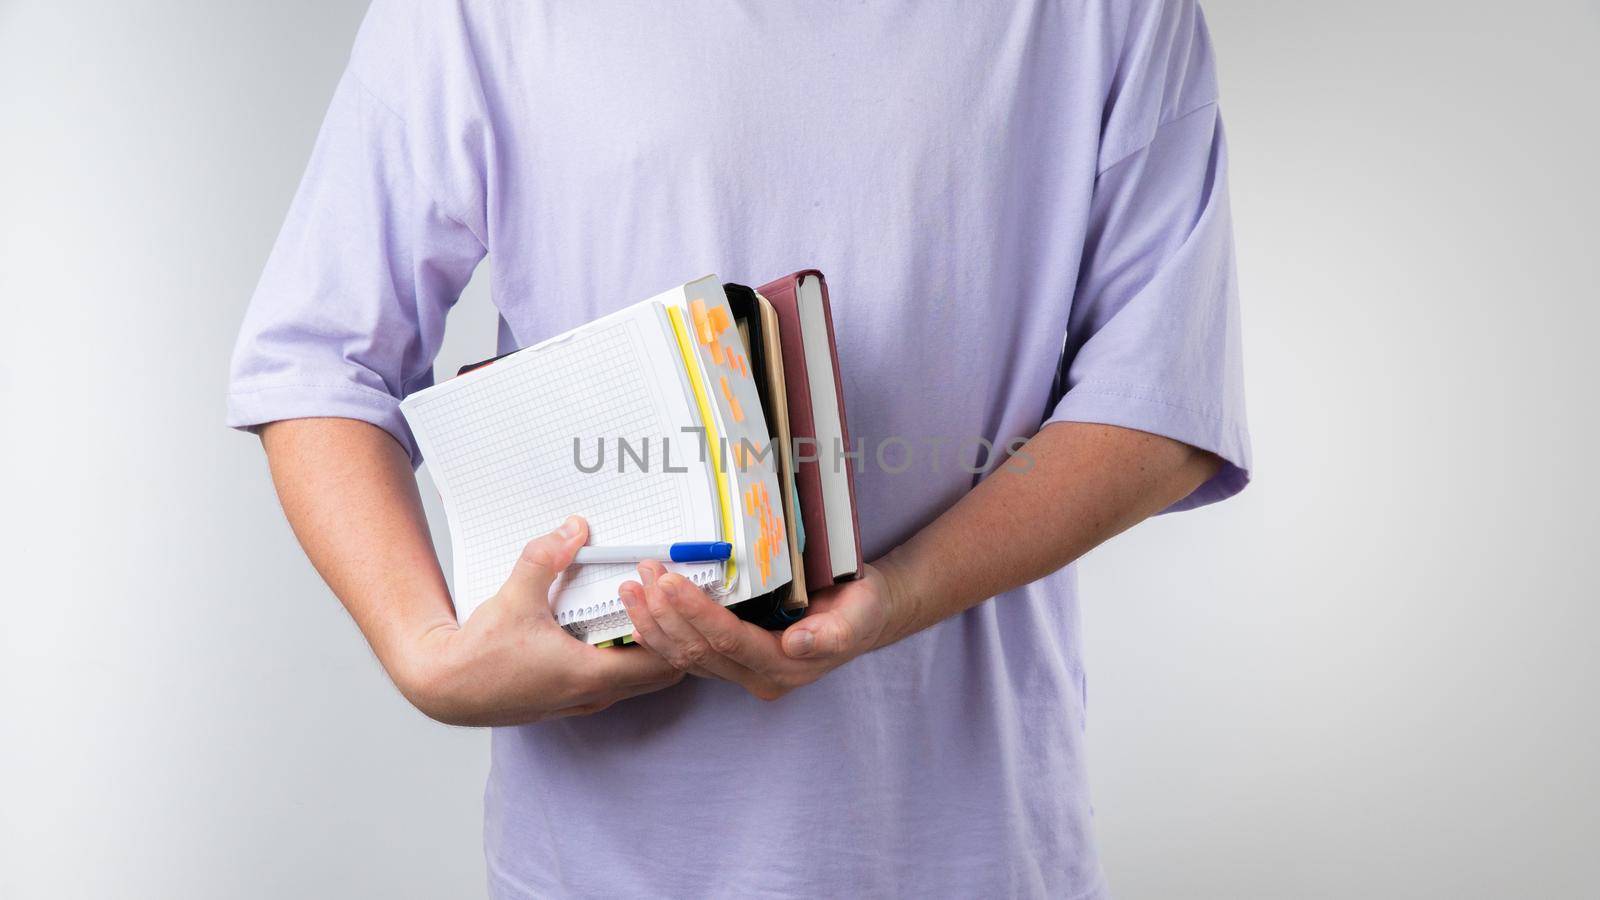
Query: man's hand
{"points": [[510, 663], [1073, 486], [697, 635]]}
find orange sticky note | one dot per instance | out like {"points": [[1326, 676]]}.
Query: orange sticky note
{"points": [[702, 323], [733, 402]]}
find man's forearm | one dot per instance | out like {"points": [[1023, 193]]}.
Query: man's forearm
{"points": [[1077, 485], [349, 493], [1072, 487]]}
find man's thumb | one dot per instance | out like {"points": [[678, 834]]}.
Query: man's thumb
{"points": [[542, 560], [823, 634]]}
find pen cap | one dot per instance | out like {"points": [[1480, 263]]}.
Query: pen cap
{"points": [[701, 551]]}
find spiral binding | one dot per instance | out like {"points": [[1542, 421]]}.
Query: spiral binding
{"points": [[612, 614]]}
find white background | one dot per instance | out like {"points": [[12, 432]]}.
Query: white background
{"points": [[1371, 675]]}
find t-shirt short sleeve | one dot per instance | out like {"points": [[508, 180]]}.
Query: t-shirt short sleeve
{"points": [[1153, 337], [380, 239]]}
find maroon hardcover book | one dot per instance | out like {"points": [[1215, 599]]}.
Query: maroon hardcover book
{"points": [[825, 562]]}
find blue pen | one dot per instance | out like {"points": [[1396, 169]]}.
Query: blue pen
{"points": [[681, 552]]}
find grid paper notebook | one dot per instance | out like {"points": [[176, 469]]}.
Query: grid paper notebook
{"points": [[499, 443]]}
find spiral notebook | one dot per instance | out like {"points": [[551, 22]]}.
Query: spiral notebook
{"points": [[647, 422]]}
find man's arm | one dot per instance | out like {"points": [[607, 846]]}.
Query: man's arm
{"points": [[349, 493], [1071, 487], [1087, 483]]}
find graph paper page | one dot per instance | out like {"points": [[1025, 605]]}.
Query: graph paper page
{"points": [[499, 443]]}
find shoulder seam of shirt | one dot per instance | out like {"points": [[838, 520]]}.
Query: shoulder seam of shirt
{"points": [[1153, 135], [426, 184]]}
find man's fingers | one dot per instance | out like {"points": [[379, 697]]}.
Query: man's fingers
{"points": [[725, 633], [742, 652], [636, 600], [541, 561], [669, 634], [660, 628], [631, 593], [678, 622], [646, 631]]}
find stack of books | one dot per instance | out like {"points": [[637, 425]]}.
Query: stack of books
{"points": [[709, 412]]}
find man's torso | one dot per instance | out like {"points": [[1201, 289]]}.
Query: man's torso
{"points": [[937, 163]]}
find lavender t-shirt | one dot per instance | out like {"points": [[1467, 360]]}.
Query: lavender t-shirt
{"points": [[983, 183]]}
